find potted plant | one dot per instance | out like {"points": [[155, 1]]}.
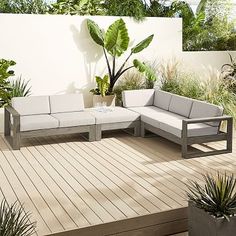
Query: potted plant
{"points": [[100, 94], [212, 208], [15, 221], [115, 42]]}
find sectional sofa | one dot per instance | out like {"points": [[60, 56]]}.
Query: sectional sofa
{"points": [[182, 120]]}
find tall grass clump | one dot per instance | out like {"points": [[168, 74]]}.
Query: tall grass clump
{"points": [[14, 221], [213, 88]]}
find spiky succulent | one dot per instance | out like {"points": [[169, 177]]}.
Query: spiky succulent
{"points": [[14, 220], [217, 196]]}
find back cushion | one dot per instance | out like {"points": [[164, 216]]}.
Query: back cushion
{"points": [[203, 109], [138, 98], [31, 105], [181, 105], [66, 103], [162, 99]]}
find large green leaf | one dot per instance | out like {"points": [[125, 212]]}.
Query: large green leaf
{"points": [[201, 7], [117, 38], [95, 32], [143, 44], [145, 69]]}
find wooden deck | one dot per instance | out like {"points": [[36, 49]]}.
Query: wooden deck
{"points": [[121, 186]]}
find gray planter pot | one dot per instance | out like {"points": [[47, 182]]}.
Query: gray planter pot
{"points": [[202, 224]]}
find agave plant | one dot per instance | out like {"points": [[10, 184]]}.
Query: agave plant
{"points": [[14, 220], [115, 42], [217, 197], [20, 88]]}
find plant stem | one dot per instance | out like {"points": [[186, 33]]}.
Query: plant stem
{"points": [[108, 65]]}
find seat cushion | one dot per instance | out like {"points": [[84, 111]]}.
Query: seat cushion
{"points": [[203, 109], [37, 122], [180, 105], [66, 103], [32, 105], [162, 99], [154, 116], [174, 126], [113, 115], [70, 119], [138, 98]]}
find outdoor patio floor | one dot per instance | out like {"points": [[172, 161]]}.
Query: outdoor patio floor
{"points": [[69, 184]]}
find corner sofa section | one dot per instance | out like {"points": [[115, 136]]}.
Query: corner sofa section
{"points": [[180, 119]]}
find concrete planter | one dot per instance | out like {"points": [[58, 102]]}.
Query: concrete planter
{"points": [[109, 100], [203, 224]]}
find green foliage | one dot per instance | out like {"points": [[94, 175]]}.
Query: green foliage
{"points": [[229, 73], [133, 8], [77, 7], [117, 38], [5, 73], [116, 42], [142, 45], [24, 6], [147, 71], [11, 88], [102, 86], [217, 196], [212, 89], [14, 220], [95, 32], [20, 88], [129, 81]]}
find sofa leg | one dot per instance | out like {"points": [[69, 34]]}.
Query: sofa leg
{"points": [[7, 120], [229, 141], [142, 130], [184, 150], [92, 133], [98, 132], [137, 130], [16, 141]]}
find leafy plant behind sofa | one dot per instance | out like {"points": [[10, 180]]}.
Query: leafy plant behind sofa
{"points": [[212, 89], [11, 88], [115, 42]]}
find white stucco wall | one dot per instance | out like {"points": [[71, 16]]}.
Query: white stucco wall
{"points": [[57, 54]]}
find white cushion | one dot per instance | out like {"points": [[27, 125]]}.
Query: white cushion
{"points": [[36, 122], [174, 126], [138, 98], [113, 115], [154, 116], [162, 99], [180, 105], [203, 109], [70, 119], [31, 105], [66, 103]]}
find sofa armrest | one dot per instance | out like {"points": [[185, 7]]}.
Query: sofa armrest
{"points": [[229, 128], [207, 119], [9, 109], [138, 98]]}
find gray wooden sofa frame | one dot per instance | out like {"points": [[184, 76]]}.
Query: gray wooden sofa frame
{"points": [[14, 135], [135, 125], [186, 141]]}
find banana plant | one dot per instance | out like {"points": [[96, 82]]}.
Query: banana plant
{"points": [[115, 42]]}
